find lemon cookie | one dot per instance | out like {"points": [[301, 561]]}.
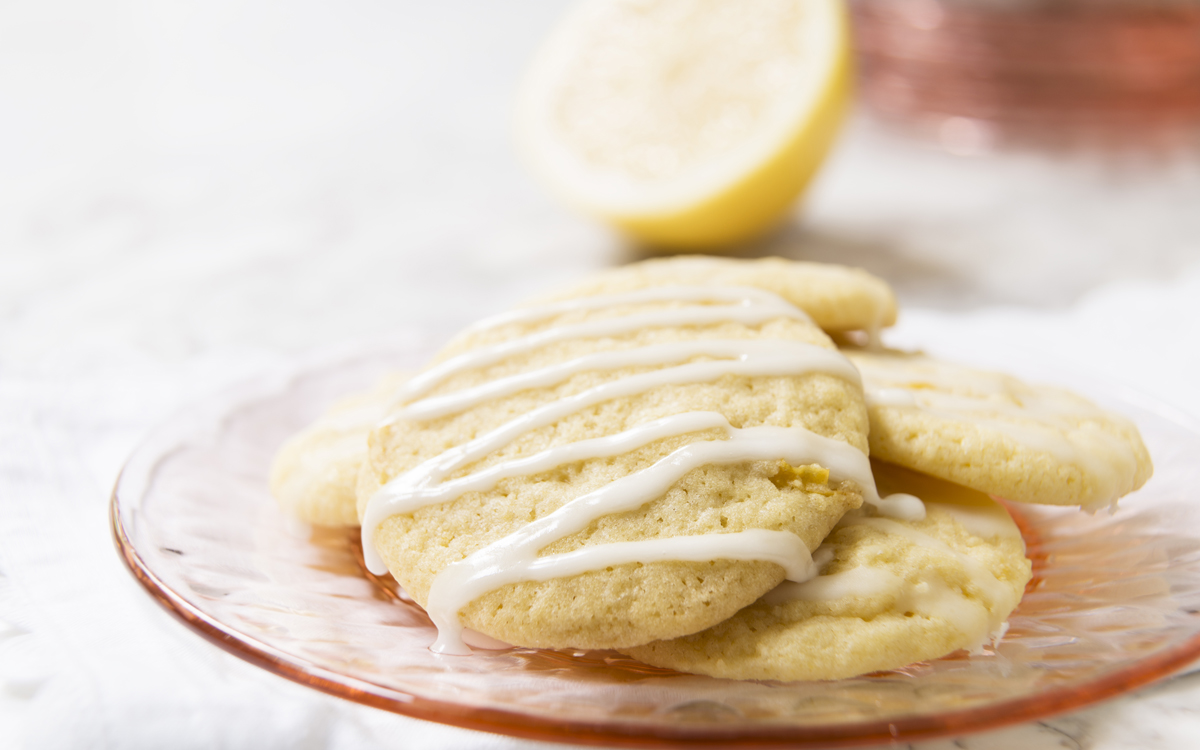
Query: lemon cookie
{"points": [[837, 298], [889, 593], [604, 471], [996, 434], [314, 474]]}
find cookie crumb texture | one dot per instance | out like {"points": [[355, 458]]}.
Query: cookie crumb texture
{"points": [[629, 604], [893, 593], [999, 435]]}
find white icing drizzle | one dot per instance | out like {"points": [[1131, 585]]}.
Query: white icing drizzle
{"points": [[897, 505], [426, 484], [815, 358], [862, 582], [932, 595], [991, 587], [402, 497], [929, 594], [454, 588], [435, 470], [754, 307], [1048, 417], [514, 558], [823, 555], [891, 397], [985, 522]]}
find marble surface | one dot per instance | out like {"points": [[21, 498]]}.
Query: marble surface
{"points": [[194, 193]]}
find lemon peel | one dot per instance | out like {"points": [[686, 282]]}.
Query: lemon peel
{"points": [[688, 124]]}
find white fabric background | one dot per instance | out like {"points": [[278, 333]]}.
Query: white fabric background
{"points": [[191, 193]]}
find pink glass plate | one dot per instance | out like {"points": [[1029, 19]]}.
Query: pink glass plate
{"points": [[1114, 603]]}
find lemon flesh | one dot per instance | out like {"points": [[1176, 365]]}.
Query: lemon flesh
{"points": [[687, 123]]}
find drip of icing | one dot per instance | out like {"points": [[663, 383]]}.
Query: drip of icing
{"points": [[1101, 455], [898, 505], [818, 359], [760, 309]]}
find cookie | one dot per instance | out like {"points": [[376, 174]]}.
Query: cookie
{"points": [[837, 298], [996, 434], [314, 474], [616, 468], [890, 593]]}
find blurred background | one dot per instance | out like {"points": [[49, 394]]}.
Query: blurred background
{"points": [[253, 147], [193, 192]]}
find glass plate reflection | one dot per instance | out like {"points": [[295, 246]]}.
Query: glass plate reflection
{"points": [[1113, 603]]}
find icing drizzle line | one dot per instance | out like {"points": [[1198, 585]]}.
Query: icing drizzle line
{"points": [[751, 306], [1041, 418], [982, 619], [514, 558]]}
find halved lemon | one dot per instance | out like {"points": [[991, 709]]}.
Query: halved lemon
{"points": [[687, 123]]}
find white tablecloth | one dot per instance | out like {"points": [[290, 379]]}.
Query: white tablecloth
{"points": [[195, 193]]}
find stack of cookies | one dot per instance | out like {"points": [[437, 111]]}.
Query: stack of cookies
{"points": [[671, 460]]}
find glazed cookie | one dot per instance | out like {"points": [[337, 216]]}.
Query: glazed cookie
{"points": [[996, 434], [837, 298], [607, 470], [889, 593], [314, 473]]}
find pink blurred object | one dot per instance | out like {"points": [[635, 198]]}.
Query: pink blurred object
{"points": [[1060, 72]]}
